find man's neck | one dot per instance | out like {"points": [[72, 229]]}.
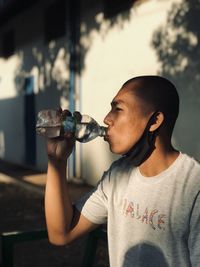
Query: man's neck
{"points": [[160, 159]]}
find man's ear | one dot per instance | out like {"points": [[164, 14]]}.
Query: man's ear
{"points": [[157, 120]]}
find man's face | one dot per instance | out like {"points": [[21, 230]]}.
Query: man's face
{"points": [[125, 121]]}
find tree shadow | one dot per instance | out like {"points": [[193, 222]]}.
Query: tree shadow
{"points": [[50, 63], [44, 62], [177, 47], [51, 60]]}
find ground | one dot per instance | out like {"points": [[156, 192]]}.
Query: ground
{"points": [[22, 209]]}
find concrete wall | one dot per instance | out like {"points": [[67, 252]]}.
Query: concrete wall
{"points": [[48, 64], [153, 37]]}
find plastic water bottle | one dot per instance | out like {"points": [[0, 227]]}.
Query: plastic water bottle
{"points": [[50, 124]]}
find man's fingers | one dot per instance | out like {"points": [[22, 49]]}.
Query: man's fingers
{"points": [[66, 112], [59, 110], [77, 115], [68, 135]]}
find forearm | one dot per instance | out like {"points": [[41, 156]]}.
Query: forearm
{"points": [[58, 207]]}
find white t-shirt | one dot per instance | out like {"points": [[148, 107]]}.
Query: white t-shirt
{"points": [[151, 221]]}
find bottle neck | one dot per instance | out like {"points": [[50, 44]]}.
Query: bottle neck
{"points": [[102, 131]]}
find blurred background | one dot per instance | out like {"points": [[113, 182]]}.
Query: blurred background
{"points": [[77, 54]]}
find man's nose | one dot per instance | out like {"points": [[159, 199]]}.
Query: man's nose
{"points": [[107, 120]]}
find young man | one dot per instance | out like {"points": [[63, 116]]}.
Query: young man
{"points": [[149, 198]]}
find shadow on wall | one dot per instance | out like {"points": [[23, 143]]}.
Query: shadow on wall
{"points": [[50, 59], [177, 47], [48, 63], [102, 18], [145, 255]]}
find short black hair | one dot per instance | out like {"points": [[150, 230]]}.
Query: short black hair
{"points": [[157, 94]]}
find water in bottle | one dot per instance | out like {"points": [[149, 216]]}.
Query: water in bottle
{"points": [[51, 124]]}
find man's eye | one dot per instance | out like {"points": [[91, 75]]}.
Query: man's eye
{"points": [[118, 109]]}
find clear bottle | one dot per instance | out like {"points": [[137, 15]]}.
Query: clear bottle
{"points": [[50, 124]]}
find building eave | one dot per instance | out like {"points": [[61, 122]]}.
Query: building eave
{"points": [[11, 8]]}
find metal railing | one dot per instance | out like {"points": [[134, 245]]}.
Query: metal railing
{"points": [[9, 240]]}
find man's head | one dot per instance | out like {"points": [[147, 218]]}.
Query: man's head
{"points": [[137, 101], [156, 93]]}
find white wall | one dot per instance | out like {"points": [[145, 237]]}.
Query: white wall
{"points": [[11, 129], [48, 64]]}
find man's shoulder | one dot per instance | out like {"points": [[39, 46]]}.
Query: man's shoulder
{"points": [[191, 162], [191, 171]]}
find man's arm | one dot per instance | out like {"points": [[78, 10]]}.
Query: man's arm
{"points": [[64, 222]]}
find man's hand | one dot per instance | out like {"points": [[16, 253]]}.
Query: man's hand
{"points": [[60, 148]]}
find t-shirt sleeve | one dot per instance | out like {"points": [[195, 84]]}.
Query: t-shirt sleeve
{"points": [[94, 204], [194, 234]]}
